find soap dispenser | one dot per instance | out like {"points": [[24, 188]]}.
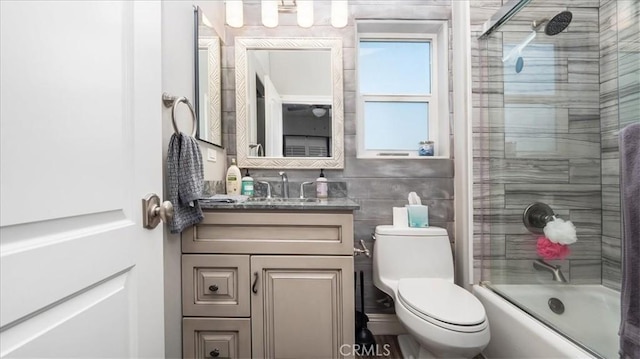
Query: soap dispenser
{"points": [[322, 187], [247, 184]]}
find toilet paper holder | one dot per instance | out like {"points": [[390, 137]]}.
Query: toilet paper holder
{"points": [[536, 216]]}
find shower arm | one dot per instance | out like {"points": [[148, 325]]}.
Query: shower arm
{"points": [[553, 27], [517, 50], [537, 24]]}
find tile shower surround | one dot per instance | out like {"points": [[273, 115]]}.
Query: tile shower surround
{"points": [[377, 185], [538, 140], [586, 83], [619, 107]]}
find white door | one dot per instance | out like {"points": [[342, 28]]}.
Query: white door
{"points": [[273, 119], [81, 144]]}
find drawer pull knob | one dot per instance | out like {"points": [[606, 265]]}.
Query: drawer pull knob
{"points": [[254, 287], [213, 288], [215, 353]]}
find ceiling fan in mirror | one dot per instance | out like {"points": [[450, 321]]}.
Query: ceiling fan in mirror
{"points": [[316, 110]]}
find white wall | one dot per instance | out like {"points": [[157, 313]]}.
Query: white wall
{"points": [[301, 73], [177, 79], [177, 72]]}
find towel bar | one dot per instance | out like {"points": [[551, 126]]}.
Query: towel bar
{"points": [[173, 101]]}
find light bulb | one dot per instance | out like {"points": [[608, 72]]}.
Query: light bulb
{"points": [[234, 13], [270, 13], [305, 13], [339, 13]]}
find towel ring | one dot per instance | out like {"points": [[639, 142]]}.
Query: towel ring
{"points": [[173, 101]]}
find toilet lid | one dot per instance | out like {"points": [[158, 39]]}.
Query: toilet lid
{"points": [[441, 300]]}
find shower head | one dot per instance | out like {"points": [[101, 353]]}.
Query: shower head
{"points": [[556, 25]]}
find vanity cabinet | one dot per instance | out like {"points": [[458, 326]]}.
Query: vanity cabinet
{"points": [[268, 284]]}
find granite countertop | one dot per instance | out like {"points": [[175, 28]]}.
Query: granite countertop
{"points": [[309, 204]]}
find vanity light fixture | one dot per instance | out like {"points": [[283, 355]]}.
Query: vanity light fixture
{"points": [[303, 8]]}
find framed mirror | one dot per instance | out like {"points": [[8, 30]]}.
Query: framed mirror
{"points": [[207, 85], [289, 103]]}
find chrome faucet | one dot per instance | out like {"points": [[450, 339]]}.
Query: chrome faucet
{"points": [[285, 184], [302, 188], [539, 264], [268, 188]]}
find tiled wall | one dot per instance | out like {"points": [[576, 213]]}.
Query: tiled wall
{"points": [[377, 185], [538, 140], [619, 106]]}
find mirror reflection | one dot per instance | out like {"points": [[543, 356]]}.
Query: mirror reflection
{"points": [[207, 80], [289, 102], [292, 93]]}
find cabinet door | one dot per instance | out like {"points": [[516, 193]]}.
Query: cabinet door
{"points": [[216, 338], [301, 306]]}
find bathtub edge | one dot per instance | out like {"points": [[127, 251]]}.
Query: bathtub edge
{"points": [[521, 336]]}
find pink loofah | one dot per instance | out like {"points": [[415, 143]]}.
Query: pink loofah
{"points": [[550, 250]]}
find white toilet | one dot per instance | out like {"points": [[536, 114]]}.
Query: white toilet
{"points": [[415, 267]]}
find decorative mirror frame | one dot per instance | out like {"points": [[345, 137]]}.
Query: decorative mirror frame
{"points": [[242, 45], [214, 111]]}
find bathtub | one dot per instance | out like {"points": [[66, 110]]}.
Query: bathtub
{"points": [[591, 316]]}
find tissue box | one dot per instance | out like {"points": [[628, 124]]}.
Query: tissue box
{"points": [[418, 215]]}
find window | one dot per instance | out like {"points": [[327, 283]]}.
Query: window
{"points": [[402, 87]]}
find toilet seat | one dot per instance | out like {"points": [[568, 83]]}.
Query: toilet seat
{"points": [[442, 303]]}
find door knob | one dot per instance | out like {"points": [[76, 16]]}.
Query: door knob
{"points": [[153, 211]]}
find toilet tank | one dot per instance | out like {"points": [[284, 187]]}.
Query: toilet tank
{"points": [[411, 253]]}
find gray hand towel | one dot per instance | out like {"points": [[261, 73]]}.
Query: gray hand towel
{"points": [[630, 194], [185, 181]]}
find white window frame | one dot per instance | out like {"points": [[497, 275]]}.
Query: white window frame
{"points": [[433, 31]]}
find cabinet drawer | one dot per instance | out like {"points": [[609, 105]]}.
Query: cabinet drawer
{"points": [[215, 285], [216, 338], [260, 232]]}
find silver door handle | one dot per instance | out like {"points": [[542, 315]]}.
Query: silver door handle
{"points": [[153, 211]]}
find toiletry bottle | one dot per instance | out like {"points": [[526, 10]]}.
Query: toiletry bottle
{"points": [[233, 178], [322, 188], [247, 184]]}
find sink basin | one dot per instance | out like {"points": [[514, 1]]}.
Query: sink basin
{"points": [[283, 200]]}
